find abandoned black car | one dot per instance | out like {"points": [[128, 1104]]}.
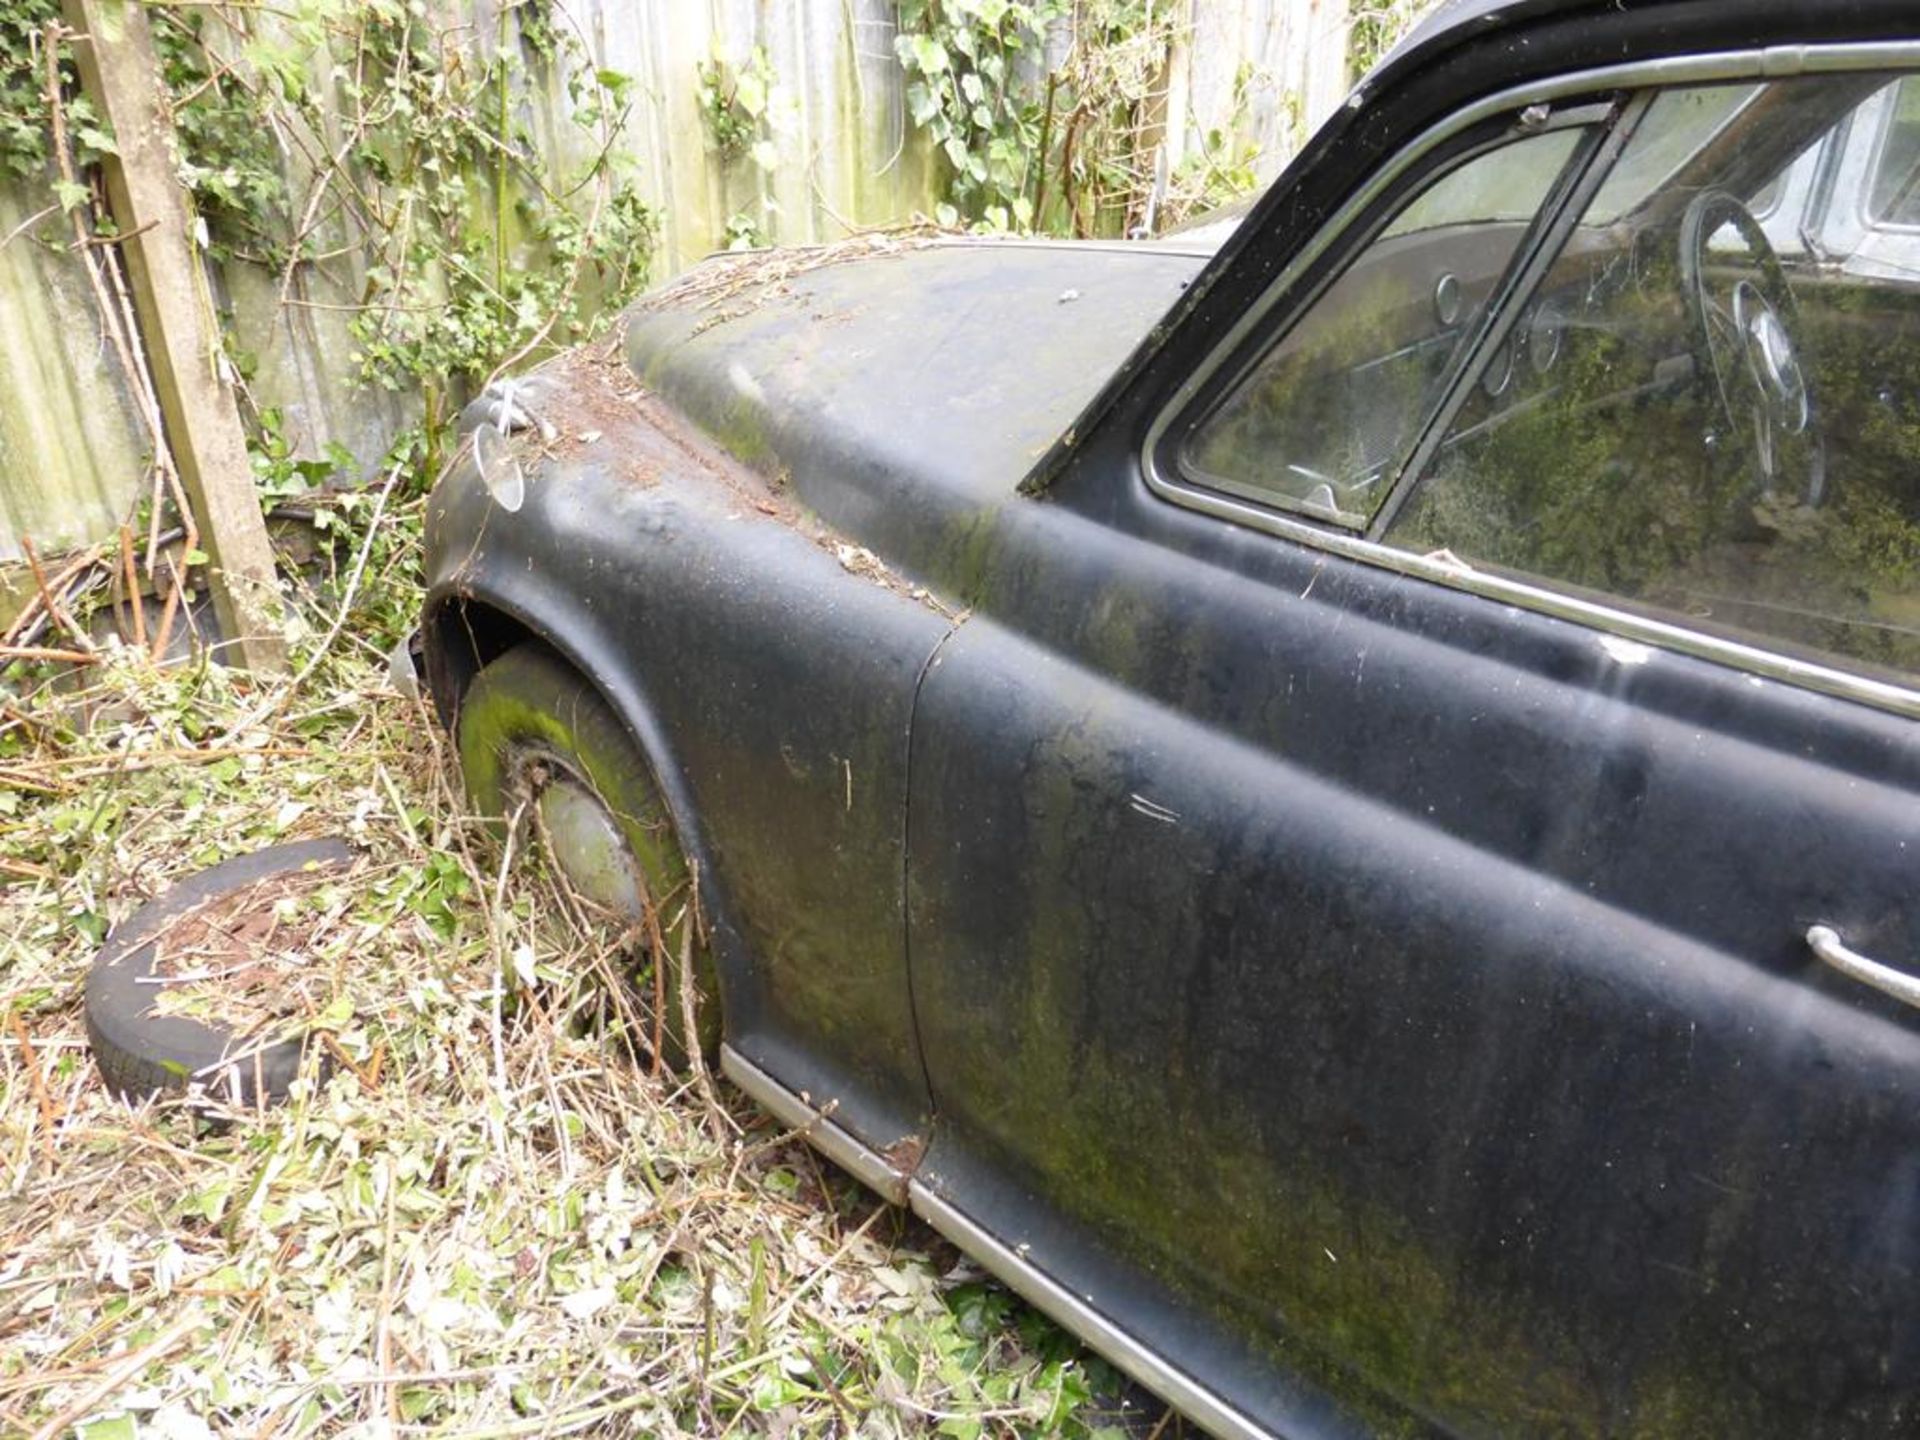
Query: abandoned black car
{"points": [[1341, 809]]}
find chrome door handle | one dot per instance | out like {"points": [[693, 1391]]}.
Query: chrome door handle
{"points": [[1828, 945]]}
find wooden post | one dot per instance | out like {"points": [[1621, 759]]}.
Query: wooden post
{"points": [[115, 55]]}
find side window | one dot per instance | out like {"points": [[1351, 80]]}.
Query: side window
{"points": [[1708, 430], [1319, 423]]}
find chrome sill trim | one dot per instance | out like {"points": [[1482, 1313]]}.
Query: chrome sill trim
{"points": [[1773, 63], [1018, 1274], [1077, 1316], [814, 1126]]}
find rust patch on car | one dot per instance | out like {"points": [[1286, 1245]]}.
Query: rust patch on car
{"points": [[906, 1153], [597, 412]]}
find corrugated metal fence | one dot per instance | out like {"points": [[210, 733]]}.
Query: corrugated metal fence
{"points": [[72, 448]]}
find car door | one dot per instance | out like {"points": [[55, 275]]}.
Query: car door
{"points": [[1390, 858]]}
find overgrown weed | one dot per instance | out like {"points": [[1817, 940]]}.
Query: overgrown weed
{"points": [[493, 1218]]}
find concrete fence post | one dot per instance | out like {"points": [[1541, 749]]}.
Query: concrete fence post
{"points": [[178, 329]]}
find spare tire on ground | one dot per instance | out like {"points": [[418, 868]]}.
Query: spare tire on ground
{"points": [[144, 1051]]}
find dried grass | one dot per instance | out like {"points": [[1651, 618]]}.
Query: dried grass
{"points": [[244, 960], [731, 284], [491, 1220]]}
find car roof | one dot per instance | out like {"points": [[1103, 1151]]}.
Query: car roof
{"points": [[1451, 19], [1457, 15], [1456, 12]]}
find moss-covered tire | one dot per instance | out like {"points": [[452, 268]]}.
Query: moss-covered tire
{"points": [[535, 737]]}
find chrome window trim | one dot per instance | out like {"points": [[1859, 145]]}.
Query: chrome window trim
{"points": [[1771, 63]]}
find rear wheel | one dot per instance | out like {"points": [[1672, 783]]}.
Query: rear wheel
{"points": [[536, 739]]}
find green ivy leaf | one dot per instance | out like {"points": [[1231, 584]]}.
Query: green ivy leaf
{"points": [[922, 103], [750, 94], [928, 55], [417, 1402]]}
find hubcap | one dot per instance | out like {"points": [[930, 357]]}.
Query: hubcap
{"points": [[590, 847]]}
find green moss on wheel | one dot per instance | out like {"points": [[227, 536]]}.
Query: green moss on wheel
{"points": [[529, 715]]}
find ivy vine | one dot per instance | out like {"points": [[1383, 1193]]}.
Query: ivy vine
{"points": [[229, 163], [25, 120], [1051, 115], [360, 138], [736, 107], [1374, 29], [962, 59]]}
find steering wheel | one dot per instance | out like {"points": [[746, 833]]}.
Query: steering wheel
{"points": [[1743, 330]]}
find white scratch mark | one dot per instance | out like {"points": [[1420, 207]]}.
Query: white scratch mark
{"points": [[1626, 652], [744, 382], [1153, 810]]}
